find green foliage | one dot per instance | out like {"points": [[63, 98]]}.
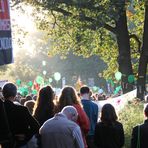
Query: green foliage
{"points": [[40, 80], [80, 27], [86, 28], [130, 116]]}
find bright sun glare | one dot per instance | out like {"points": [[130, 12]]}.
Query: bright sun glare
{"points": [[24, 20], [26, 23]]}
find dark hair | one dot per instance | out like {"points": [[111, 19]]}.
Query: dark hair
{"points": [[146, 110], [108, 114], [9, 90], [28, 97], [44, 106], [22, 101], [68, 97], [30, 104], [84, 90]]}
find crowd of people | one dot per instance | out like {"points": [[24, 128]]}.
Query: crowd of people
{"points": [[70, 120]]}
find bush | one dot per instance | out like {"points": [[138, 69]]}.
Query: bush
{"points": [[130, 116]]}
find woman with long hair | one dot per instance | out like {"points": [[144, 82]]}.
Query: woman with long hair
{"points": [[109, 132], [69, 97], [44, 106]]}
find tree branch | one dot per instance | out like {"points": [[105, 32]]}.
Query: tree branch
{"points": [[110, 28], [82, 17], [135, 37], [84, 5], [55, 20], [64, 12]]}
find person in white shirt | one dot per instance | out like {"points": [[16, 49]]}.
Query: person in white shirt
{"points": [[61, 131]]}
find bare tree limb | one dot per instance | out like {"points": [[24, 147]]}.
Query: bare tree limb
{"points": [[110, 28], [82, 17]]}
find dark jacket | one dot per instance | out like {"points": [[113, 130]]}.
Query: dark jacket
{"points": [[109, 136], [5, 134], [20, 122], [143, 136]]}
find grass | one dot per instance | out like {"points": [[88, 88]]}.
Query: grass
{"points": [[130, 116]]}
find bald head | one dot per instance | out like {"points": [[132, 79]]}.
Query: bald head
{"points": [[70, 112]]}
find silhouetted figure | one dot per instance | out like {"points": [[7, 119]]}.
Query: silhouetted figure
{"points": [[44, 106], [22, 125], [109, 132], [91, 110], [140, 133], [5, 134]]}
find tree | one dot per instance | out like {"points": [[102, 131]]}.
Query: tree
{"points": [[28, 59], [85, 26], [143, 61]]}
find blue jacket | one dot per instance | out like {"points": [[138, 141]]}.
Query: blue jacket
{"points": [[91, 110]]}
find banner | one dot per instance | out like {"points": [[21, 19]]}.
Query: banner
{"points": [[118, 102], [6, 54]]}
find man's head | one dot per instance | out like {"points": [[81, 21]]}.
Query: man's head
{"points": [[9, 90], [85, 92], [70, 112]]}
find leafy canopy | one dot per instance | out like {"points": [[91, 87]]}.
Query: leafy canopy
{"points": [[88, 27]]}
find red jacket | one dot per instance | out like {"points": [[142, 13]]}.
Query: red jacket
{"points": [[83, 122]]}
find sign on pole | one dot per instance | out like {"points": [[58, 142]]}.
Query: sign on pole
{"points": [[6, 54]]}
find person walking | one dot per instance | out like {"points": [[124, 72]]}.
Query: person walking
{"points": [[109, 132], [69, 97], [61, 131], [21, 123], [44, 106], [5, 134], [91, 110]]}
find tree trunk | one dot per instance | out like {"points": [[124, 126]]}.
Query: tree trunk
{"points": [[143, 61], [124, 59]]}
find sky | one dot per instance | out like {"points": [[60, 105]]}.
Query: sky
{"points": [[26, 23]]}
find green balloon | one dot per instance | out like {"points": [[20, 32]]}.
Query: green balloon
{"points": [[111, 82], [23, 91], [34, 92], [118, 88], [18, 82], [30, 83], [57, 76], [50, 80], [131, 78], [118, 75], [39, 80], [115, 92], [19, 89]]}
